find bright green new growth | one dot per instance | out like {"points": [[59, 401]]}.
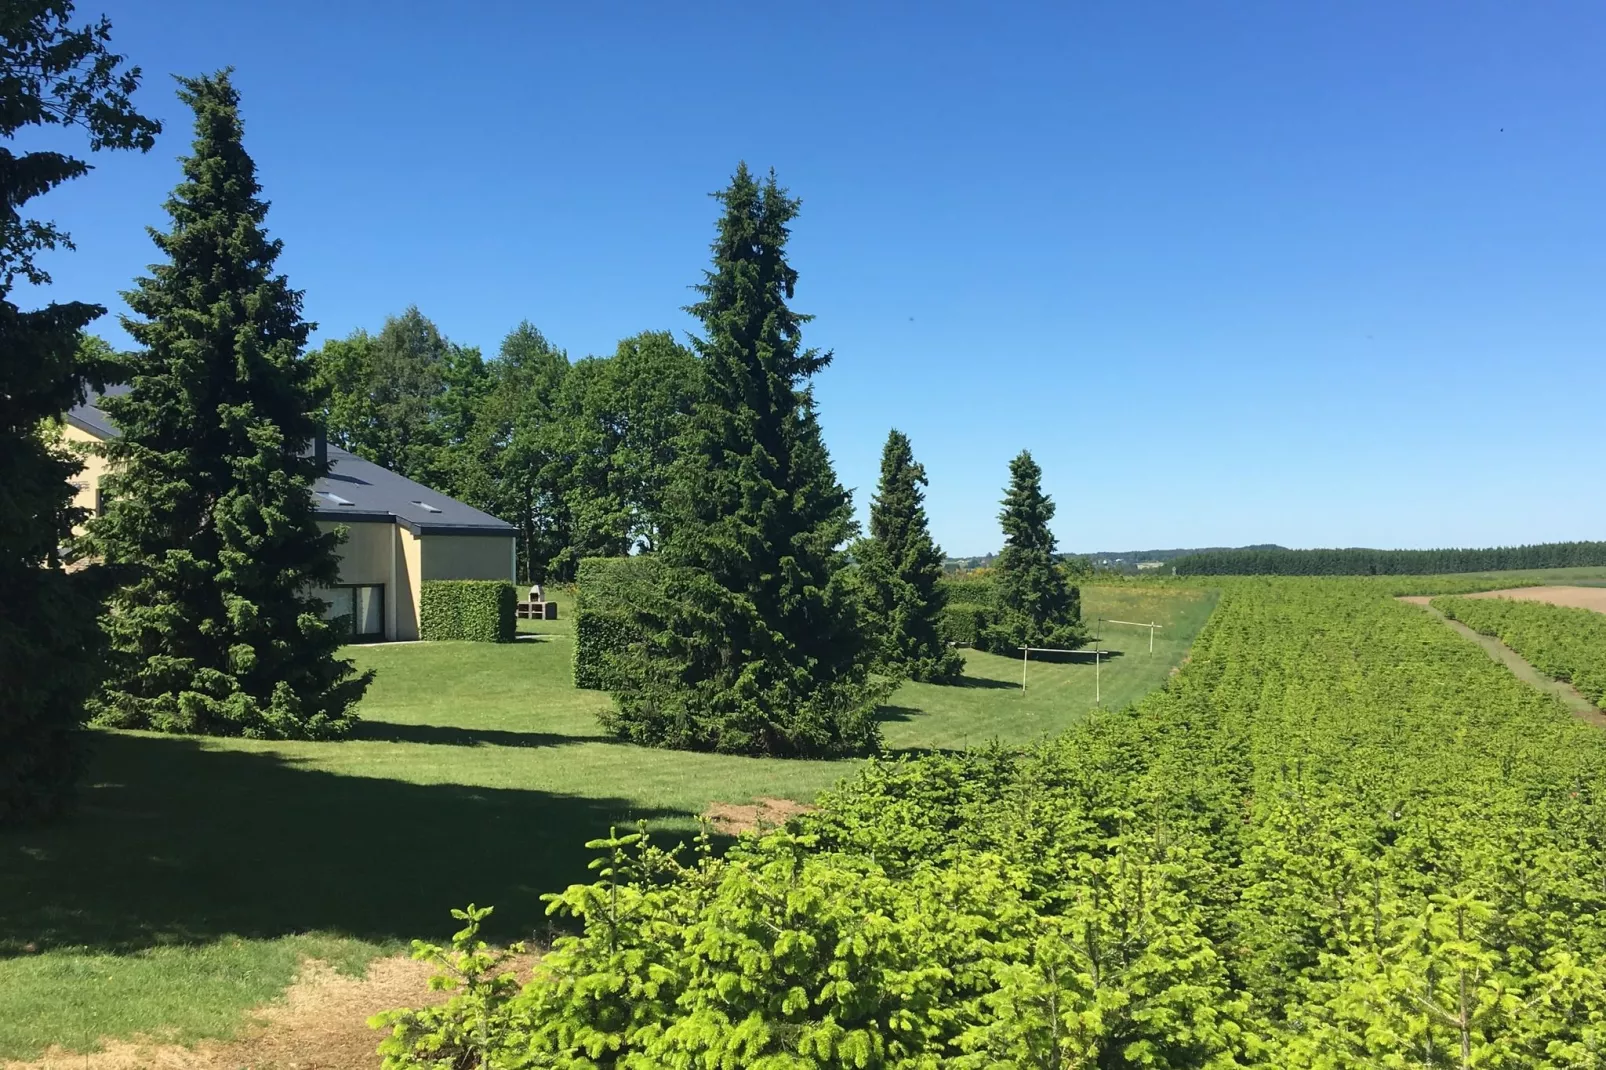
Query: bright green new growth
{"points": [[755, 641], [900, 572], [209, 508], [479, 611], [1341, 837], [50, 647], [1036, 606]]}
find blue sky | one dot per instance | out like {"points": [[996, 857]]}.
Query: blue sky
{"points": [[1310, 273]]}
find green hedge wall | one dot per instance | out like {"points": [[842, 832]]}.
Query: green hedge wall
{"points": [[604, 628], [481, 611], [963, 623], [970, 609]]}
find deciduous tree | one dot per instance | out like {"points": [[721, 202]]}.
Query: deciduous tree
{"points": [[210, 512], [51, 74], [619, 420]]}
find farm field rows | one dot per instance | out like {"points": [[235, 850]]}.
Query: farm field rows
{"points": [[201, 873], [1342, 838], [1565, 642]]}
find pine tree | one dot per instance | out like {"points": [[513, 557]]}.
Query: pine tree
{"points": [[1037, 607], [49, 633], [210, 512], [899, 567], [759, 648]]}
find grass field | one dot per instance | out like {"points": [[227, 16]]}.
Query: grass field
{"points": [[198, 874]]}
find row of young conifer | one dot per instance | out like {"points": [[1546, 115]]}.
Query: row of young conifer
{"points": [[1340, 837], [1561, 641]]}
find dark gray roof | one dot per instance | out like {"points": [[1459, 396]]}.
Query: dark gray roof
{"points": [[356, 490]]}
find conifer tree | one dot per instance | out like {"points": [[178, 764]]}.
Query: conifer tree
{"points": [[1037, 607], [757, 643], [51, 74], [210, 513], [899, 567]]}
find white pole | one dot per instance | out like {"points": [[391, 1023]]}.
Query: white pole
{"points": [[1151, 640], [1098, 691], [1025, 653]]}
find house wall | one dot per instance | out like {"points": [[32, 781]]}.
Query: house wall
{"points": [[409, 574], [386, 553], [94, 468], [365, 555], [468, 557]]}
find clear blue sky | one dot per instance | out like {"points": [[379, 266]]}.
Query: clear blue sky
{"points": [[1312, 273]]}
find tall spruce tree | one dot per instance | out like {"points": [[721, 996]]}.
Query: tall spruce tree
{"points": [[756, 642], [51, 74], [210, 512], [1037, 607], [899, 567]]}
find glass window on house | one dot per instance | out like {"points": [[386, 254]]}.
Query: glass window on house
{"points": [[361, 608]]}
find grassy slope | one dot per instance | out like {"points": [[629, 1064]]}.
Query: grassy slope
{"points": [[199, 873]]}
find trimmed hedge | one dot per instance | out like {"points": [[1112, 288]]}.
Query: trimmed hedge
{"points": [[963, 623], [604, 627], [970, 609], [481, 611]]}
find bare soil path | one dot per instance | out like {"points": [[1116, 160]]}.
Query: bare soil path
{"points": [[321, 1023], [1514, 661]]}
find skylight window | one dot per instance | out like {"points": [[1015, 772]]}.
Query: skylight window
{"points": [[428, 508], [335, 498]]}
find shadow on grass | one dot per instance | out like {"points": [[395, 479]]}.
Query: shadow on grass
{"points": [[1072, 657], [174, 843], [897, 713], [980, 682], [446, 735]]}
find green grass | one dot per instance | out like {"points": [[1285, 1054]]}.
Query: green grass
{"points": [[991, 705], [198, 874]]}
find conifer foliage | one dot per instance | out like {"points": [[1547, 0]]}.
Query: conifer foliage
{"points": [[899, 567], [50, 74], [210, 513], [1038, 607], [755, 644]]}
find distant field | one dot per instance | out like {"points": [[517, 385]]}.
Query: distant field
{"points": [[1578, 597]]}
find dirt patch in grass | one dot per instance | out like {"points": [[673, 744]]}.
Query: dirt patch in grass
{"points": [[762, 813], [320, 1024], [1576, 597]]}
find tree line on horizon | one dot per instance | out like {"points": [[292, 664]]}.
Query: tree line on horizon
{"points": [[1359, 561]]}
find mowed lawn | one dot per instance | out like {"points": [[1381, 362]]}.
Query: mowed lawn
{"points": [[198, 874]]}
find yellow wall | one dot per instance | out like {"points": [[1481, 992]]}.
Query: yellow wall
{"points": [[375, 552], [468, 557], [409, 576], [94, 468]]}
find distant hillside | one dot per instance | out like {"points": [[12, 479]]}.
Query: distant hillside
{"points": [[1128, 560], [1115, 560]]}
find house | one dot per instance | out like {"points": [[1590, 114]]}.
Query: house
{"points": [[399, 533]]}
